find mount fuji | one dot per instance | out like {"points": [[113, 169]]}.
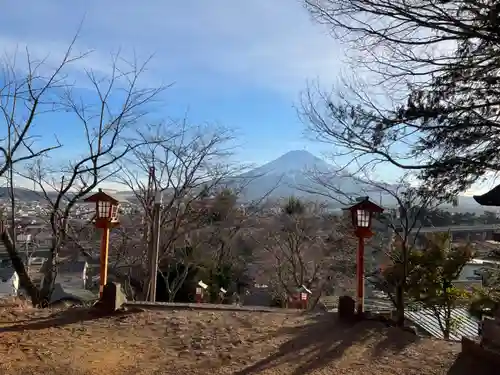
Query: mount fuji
{"points": [[292, 174]]}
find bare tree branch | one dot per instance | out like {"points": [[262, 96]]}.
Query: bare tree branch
{"points": [[119, 107]]}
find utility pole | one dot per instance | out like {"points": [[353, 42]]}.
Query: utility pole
{"points": [[148, 228], [153, 271]]}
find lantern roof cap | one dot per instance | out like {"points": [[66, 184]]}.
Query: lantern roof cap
{"points": [[490, 198], [304, 289], [364, 203], [101, 196]]}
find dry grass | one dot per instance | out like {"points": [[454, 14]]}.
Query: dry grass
{"points": [[76, 341]]}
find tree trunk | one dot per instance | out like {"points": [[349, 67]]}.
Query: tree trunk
{"points": [[48, 281], [400, 289], [313, 302], [17, 263], [446, 333], [400, 306], [447, 323]]}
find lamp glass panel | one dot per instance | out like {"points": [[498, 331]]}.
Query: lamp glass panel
{"points": [[363, 218], [103, 210], [114, 212]]}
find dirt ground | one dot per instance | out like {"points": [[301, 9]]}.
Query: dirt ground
{"points": [[75, 341]]}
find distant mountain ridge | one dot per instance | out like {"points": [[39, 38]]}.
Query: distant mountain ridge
{"points": [[283, 177], [23, 194], [290, 174], [293, 174]]}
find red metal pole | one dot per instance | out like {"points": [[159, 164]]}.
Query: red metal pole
{"points": [[361, 275], [199, 295], [104, 259]]}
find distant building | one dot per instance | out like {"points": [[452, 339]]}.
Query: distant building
{"points": [[480, 233], [478, 269], [488, 249], [72, 273]]}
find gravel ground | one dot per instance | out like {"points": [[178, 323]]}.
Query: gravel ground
{"points": [[76, 341]]}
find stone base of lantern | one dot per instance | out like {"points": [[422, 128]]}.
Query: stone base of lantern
{"points": [[112, 298]]}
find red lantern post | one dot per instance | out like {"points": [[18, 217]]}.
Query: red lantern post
{"points": [[200, 291], [304, 294], [106, 218], [199, 295], [361, 214]]}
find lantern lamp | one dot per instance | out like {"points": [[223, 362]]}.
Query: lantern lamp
{"points": [[361, 215], [106, 208], [106, 217]]}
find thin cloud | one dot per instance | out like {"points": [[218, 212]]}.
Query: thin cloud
{"points": [[266, 44]]}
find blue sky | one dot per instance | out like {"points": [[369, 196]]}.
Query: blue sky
{"points": [[241, 64]]}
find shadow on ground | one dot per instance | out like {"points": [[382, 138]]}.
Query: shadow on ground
{"points": [[71, 370], [63, 318], [466, 365], [324, 339]]}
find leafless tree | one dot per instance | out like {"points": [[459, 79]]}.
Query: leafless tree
{"points": [[106, 123], [225, 231], [400, 43], [182, 258], [183, 161], [26, 95], [428, 100], [188, 165], [308, 247], [27, 92], [395, 231], [393, 247], [126, 250]]}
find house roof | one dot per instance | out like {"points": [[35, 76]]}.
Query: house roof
{"points": [[427, 320], [72, 267], [490, 198], [6, 273], [67, 267], [101, 196], [483, 262]]}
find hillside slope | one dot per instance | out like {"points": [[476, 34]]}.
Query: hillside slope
{"points": [[215, 342]]}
